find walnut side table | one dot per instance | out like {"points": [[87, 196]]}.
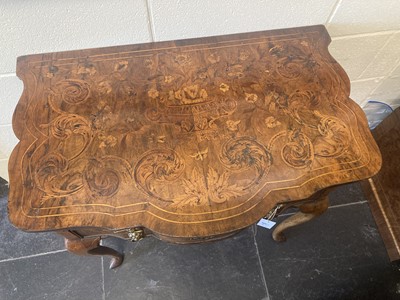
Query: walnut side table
{"points": [[190, 141]]}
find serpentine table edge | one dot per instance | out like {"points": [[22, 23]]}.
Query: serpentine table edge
{"points": [[188, 140]]}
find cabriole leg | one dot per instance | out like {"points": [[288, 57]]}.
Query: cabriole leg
{"points": [[308, 211], [91, 246]]}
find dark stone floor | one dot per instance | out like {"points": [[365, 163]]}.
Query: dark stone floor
{"points": [[337, 256]]}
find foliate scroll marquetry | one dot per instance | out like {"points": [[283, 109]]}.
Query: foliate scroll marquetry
{"points": [[158, 165], [72, 91], [167, 167], [298, 151], [245, 152], [103, 176], [214, 188], [52, 176], [335, 136], [194, 128], [70, 128]]}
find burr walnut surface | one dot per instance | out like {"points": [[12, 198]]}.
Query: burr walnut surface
{"points": [[188, 139]]}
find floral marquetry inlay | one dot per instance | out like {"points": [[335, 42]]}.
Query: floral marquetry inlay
{"points": [[193, 132]]}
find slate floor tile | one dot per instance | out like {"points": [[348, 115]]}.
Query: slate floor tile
{"points": [[16, 243], [3, 188], [341, 195], [227, 269], [337, 256], [58, 276], [348, 193], [340, 255]]}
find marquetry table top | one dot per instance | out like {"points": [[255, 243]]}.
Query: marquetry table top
{"points": [[188, 138]]}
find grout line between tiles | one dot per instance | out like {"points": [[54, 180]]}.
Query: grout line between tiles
{"points": [[376, 55], [33, 255], [4, 75], [333, 12], [396, 65], [254, 229], [102, 276], [333, 206], [351, 36], [151, 21], [367, 79], [348, 204]]}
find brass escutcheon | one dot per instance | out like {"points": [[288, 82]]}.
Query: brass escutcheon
{"points": [[135, 234], [273, 212]]}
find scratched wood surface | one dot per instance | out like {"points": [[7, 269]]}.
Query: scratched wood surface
{"points": [[190, 138]]}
